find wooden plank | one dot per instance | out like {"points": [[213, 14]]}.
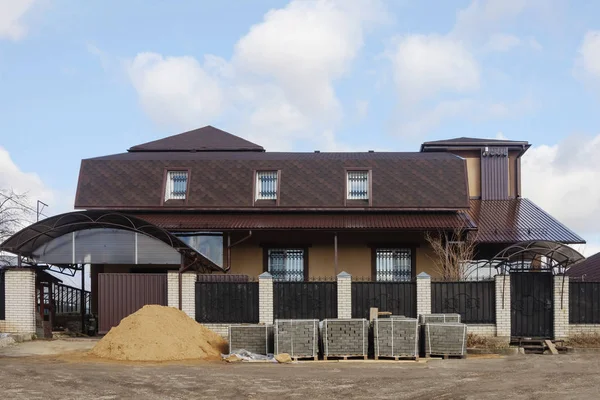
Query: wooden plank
{"points": [[551, 347]]}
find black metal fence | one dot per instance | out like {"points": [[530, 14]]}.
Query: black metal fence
{"points": [[227, 302], [399, 298], [584, 302], [304, 300], [67, 299], [2, 296], [474, 301]]}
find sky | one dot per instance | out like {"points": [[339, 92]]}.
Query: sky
{"points": [[81, 79]]}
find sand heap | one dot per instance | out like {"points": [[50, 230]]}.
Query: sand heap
{"points": [[157, 333]]}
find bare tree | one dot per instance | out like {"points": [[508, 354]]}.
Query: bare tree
{"points": [[14, 212], [451, 251]]}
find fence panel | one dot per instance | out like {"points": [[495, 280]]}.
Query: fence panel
{"points": [[2, 297], [399, 298], [67, 299], [474, 301], [584, 302], [304, 300], [227, 302]]}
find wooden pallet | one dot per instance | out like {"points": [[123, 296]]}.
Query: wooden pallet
{"points": [[354, 356], [396, 358], [447, 356]]}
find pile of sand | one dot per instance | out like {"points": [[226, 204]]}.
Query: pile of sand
{"points": [[157, 333]]}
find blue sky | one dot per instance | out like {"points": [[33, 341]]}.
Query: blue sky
{"points": [[80, 79]]}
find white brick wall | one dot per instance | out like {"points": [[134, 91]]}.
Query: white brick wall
{"points": [[265, 298], [188, 292], [561, 308], [482, 329], [589, 329], [503, 306], [423, 294], [19, 302], [344, 295], [173, 289]]}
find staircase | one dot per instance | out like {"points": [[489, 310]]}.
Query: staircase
{"points": [[540, 346]]}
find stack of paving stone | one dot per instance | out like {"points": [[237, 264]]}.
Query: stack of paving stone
{"points": [[439, 318], [445, 339], [297, 337], [253, 338], [396, 337], [345, 338]]}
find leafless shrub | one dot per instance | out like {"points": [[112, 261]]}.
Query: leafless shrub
{"points": [[451, 250], [584, 340]]}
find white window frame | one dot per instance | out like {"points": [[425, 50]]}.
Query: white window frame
{"points": [[259, 192], [171, 185], [363, 186]]}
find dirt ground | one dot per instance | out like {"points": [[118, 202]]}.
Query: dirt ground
{"points": [[75, 375]]}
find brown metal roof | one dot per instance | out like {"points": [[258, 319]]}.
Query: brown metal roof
{"points": [[517, 220], [587, 270], [207, 138], [337, 221], [309, 181]]}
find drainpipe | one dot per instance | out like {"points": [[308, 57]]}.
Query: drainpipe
{"points": [[229, 246], [180, 289], [335, 253]]}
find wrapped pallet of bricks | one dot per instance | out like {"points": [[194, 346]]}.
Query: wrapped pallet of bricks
{"points": [[297, 337], [345, 338], [256, 339], [396, 337], [439, 318], [445, 339]]}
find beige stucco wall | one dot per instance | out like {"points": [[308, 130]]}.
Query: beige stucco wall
{"points": [[473, 160], [354, 252]]}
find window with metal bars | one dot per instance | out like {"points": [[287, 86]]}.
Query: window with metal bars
{"points": [[358, 185], [266, 185], [286, 264], [176, 185], [393, 265]]}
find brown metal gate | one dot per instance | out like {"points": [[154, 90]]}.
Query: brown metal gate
{"points": [[120, 295]]}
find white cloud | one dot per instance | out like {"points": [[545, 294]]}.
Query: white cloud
{"points": [[483, 16], [30, 184], [589, 55], [11, 18], [502, 42], [176, 90], [422, 122], [279, 84], [562, 179], [427, 65]]}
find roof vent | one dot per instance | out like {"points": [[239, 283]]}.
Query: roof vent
{"points": [[317, 151], [371, 151]]}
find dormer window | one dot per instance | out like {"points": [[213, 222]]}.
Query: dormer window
{"points": [[266, 185], [358, 185], [176, 185]]}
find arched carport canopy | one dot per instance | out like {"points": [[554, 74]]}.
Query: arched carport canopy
{"points": [[33, 237], [536, 255]]}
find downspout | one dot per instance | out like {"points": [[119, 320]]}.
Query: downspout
{"points": [[229, 246], [180, 290]]}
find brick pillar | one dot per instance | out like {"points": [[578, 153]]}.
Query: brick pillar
{"points": [[20, 301], [561, 307], [265, 298], [173, 289], [188, 294], [503, 306], [423, 294], [344, 295]]}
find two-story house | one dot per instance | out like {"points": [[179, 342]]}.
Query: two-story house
{"points": [[302, 215]]}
